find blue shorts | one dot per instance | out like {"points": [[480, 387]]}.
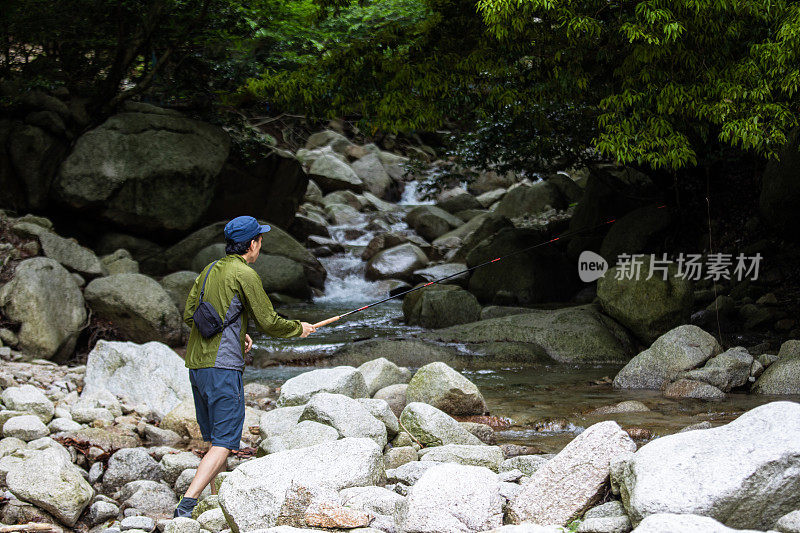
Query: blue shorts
{"points": [[219, 405]]}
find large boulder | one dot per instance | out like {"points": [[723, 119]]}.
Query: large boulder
{"points": [[379, 373], [328, 138], [569, 483], [344, 380], [779, 201], [253, 495], [269, 187], [304, 434], [456, 200], [455, 272], [451, 498], [71, 254], [782, 376], [442, 387], [47, 302], [50, 481], [432, 222], [440, 306], [490, 457], [398, 262], [567, 335], [182, 419], [611, 191], [119, 367], [178, 285], [150, 169], [332, 174], [728, 370], [530, 200], [137, 306], [130, 464], [349, 417], [538, 275], [635, 232], [433, 427], [183, 255], [151, 498], [376, 180], [648, 307], [279, 421], [683, 348], [745, 474]]}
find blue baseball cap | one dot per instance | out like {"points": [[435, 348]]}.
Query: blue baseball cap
{"points": [[244, 228]]}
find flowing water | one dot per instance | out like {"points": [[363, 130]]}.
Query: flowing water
{"points": [[546, 405]]}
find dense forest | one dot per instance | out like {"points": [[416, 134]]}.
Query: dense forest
{"points": [[519, 85]]}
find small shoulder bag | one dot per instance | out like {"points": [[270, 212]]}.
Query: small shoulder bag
{"points": [[205, 317]]}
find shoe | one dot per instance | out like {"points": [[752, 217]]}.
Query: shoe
{"points": [[185, 508]]}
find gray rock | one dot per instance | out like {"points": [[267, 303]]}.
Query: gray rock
{"points": [[456, 200], [44, 298], [306, 433], [409, 473], [431, 222], [728, 370], [130, 464], [49, 481], [71, 255], [119, 367], [398, 262], [648, 307], [331, 174], [433, 427], [120, 167], [280, 420], [95, 473], [374, 176], [28, 399], [161, 437], [61, 425], [527, 464], [87, 415], [744, 474], [451, 498], [252, 495], [611, 524], [374, 500], [530, 200], [680, 349], [667, 522], [120, 262], [483, 431], [782, 376], [381, 372], [346, 415], [789, 523], [213, 520], [442, 387], [172, 464], [395, 396], [182, 525], [25, 427], [570, 335], [398, 456], [564, 487], [100, 511], [178, 285], [628, 406], [440, 306], [344, 380], [328, 138], [138, 522], [380, 409], [486, 456], [687, 388], [138, 306], [635, 233], [153, 499]]}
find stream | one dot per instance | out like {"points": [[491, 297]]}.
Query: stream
{"points": [[545, 406]]}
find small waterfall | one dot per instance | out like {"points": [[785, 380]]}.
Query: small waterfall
{"points": [[411, 194]]}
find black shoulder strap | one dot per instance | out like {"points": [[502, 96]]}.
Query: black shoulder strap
{"points": [[203, 289]]}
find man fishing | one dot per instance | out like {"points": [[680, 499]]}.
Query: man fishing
{"points": [[216, 362]]}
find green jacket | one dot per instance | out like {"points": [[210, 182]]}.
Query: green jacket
{"points": [[235, 291]]}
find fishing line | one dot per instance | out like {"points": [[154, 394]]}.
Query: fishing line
{"points": [[495, 260]]}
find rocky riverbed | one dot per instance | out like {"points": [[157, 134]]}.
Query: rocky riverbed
{"points": [[515, 399]]}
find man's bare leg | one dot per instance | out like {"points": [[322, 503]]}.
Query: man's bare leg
{"points": [[212, 463]]}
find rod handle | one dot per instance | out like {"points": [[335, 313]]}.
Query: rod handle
{"points": [[326, 321]]}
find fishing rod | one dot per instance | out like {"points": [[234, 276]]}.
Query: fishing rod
{"points": [[495, 260]]}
